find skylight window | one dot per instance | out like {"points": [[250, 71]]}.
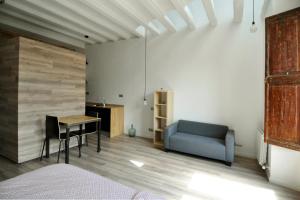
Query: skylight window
{"points": [[177, 20], [141, 30], [188, 12], [159, 26], [169, 21], [196, 9], [154, 25]]}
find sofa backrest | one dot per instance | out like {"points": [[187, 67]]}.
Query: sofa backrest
{"points": [[203, 129]]}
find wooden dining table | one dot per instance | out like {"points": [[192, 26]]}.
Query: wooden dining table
{"points": [[76, 120]]}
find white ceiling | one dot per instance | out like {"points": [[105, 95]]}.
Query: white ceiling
{"points": [[98, 21]]}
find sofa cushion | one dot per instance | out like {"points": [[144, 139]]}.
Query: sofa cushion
{"points": [[199, 145], [202, 129]]}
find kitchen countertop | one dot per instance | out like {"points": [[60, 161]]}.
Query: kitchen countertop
{"points": [[99, 105]]}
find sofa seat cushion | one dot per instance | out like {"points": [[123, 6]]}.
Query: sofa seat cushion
{"points": [[202, 129], [198, 145]]}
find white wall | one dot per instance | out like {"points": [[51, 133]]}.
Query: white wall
{"points": [[284, 164], [216, 73]]}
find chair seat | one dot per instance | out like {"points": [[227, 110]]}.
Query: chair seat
{"points": [[87, 133], [71, 134]]}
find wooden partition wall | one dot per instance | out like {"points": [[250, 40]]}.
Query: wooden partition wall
{"points": [[9, 57], [51, 80]]}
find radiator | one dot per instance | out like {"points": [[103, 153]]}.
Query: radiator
{"points": [[262, 149]]}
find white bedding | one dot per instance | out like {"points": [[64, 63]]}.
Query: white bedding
{"points": [[62, 181]]}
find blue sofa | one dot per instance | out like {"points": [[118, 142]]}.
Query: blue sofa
{"points": [[207, 140]]}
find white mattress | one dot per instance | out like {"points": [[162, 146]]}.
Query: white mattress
{"points": [[62, 181]]}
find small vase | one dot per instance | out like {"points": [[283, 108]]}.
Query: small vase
{"points": [[131, 131]]}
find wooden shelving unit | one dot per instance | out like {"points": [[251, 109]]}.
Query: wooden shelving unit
{"points": [[163, 114]]}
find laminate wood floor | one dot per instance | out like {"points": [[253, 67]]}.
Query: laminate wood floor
{"points": [[135, 162]]}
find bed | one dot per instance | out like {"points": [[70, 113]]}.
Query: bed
{"points": [[63, 181]]}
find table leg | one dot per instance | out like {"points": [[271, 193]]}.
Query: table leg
{"points": [[47, 147], [99, 137], [80, 136], [80, 139], [67, 145]]}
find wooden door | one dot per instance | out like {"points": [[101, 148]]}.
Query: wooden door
{"points": [[282, 81]]}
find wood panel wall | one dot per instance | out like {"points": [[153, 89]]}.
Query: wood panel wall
{"points": [[51, 82], [42, 79], [9, 59]]}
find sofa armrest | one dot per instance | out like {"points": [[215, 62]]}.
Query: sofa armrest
{"points": [[169, 130], [229, 145]]}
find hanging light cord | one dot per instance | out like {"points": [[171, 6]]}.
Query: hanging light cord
{"points": [[145, 84], [253, 12]]}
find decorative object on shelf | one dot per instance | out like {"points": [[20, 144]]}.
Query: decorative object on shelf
{"points": [[253, 27], [131, 131], [163, 114]]}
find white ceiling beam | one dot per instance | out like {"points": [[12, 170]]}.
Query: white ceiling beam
{"points": [[264, 9], [18, 14], [181, 7], [156, 11], [124, 6], [238, 10], [94, 17], [110, 14], [28, 8], [39, 31], [210, 11], [71, 16]]}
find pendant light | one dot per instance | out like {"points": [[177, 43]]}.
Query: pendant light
{"points": [[145, 65], [253, 27]]}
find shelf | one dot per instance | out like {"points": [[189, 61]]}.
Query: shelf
{"points": [[160, 117], [162, 113]]}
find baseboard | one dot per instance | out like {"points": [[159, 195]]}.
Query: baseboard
{"points": [[278, 181], [238, 152], [245, 154], [142, 135]]}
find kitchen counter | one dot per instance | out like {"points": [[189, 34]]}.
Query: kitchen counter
{"points": [[99, 105], [112, 117]]}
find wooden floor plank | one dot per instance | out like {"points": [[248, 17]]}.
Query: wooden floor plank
{"points": [[171, 175]]}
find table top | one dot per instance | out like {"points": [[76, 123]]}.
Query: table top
{"points": [[76, 120]]}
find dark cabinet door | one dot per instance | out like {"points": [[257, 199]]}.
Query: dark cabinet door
{"points": [[282, 112], [282, 81], [104, 114], [282, 43]]}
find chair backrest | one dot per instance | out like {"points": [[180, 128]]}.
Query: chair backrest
{"points": [[91, 127], [52, 127], [202, 129]]}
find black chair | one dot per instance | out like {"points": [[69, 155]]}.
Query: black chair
{"points": [[53, 132], [91, 128]]}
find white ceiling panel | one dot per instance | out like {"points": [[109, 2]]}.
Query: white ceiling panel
{"points": [[98, 21]]}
